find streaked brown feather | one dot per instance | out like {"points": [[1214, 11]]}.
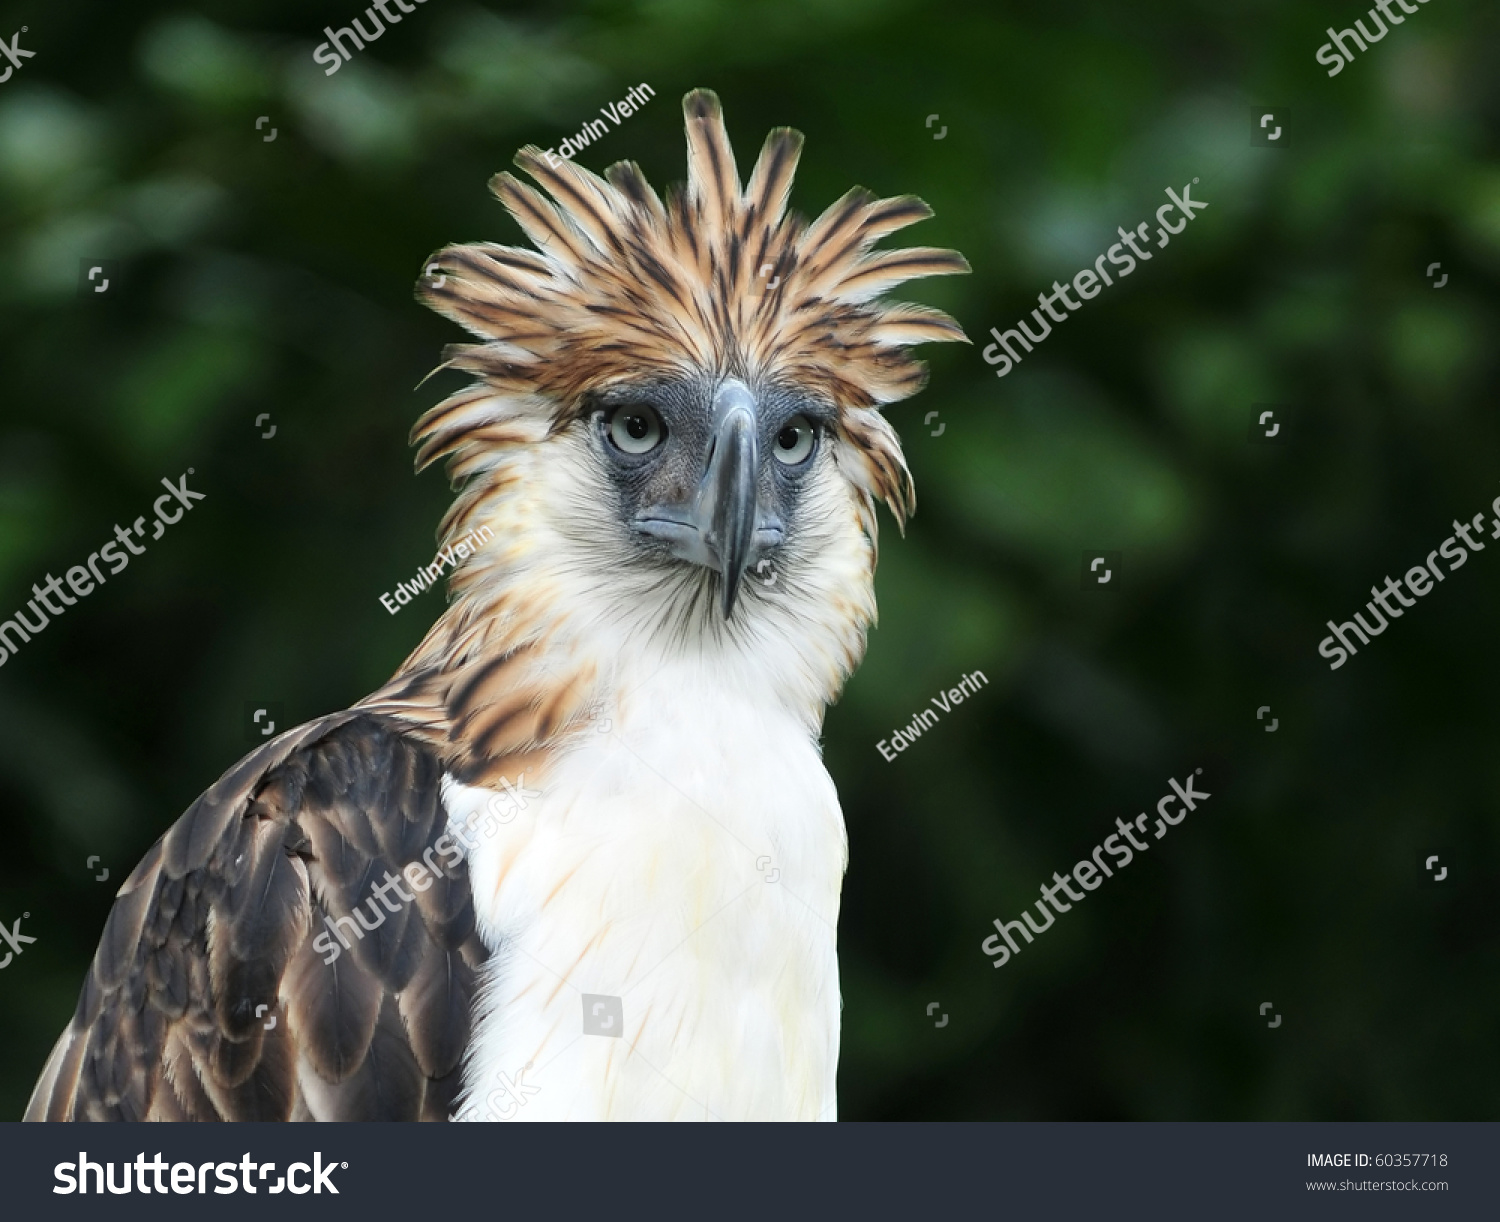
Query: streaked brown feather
{"points": [[207, 930]]}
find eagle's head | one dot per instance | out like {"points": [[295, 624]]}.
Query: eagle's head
{"points": [[676, 432]]}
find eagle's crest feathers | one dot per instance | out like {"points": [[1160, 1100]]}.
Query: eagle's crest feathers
{"points": [[623, 285]]}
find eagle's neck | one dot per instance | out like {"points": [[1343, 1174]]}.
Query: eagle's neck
{"points": [[535, 628]]}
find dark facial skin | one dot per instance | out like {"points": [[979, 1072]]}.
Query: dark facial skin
{"points": [[717, 461]]}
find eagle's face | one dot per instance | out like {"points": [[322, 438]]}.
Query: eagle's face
{"points": [[710, 478], [702, 514]]}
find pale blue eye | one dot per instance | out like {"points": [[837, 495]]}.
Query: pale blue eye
{"points": [[635, 429], [794, 442]]}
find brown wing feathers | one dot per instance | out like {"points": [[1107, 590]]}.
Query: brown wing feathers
{"points": [[219, 920]]}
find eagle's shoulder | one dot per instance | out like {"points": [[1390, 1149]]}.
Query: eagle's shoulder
{"points": [[207, 998]]}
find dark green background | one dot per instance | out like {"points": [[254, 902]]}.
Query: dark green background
{"points": [[277, 277]]}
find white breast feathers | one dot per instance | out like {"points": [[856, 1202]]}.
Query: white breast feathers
{"points": [[662, 910]]}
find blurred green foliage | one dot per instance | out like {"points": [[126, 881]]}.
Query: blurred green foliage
{"points": [[276, 277]]}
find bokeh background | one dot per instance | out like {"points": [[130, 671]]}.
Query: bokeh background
{"points": [[275, 277]]}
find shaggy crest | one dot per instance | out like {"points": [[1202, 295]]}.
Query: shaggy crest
{"points": [[718, 278]]}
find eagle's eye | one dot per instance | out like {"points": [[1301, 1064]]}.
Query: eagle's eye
{"points": [[795, 441], [635, 428]]}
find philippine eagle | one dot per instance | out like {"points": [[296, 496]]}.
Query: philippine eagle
{"points": [[579, 858]]}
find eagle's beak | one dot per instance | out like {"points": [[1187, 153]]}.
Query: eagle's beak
{"points": [[723, 526], [727, 497]]}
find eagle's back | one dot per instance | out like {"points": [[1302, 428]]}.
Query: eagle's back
{"points": [[207, 999]]}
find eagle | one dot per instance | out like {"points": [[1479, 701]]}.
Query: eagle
{"points": [[580, 857]]}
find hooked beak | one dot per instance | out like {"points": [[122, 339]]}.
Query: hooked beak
{"points": [[723, 528], [727, 495]]}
